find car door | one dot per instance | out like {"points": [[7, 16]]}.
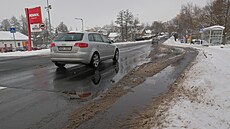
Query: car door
{"points": [[109, 48], [100, 45]]}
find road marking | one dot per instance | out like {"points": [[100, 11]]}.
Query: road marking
{"points": [[1, 88]]}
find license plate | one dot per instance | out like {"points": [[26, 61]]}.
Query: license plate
{"points": [[65, 48]]}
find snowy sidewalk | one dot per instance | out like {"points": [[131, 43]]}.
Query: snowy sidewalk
{"points": [[211, 75], [25, 53]]}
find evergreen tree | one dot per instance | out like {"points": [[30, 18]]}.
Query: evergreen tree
{"points": [[14, 23], [5, 25]]}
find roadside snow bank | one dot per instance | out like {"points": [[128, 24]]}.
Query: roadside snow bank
{"points": [[212, 73], [25, 53], [47, 51], [127, 44]]}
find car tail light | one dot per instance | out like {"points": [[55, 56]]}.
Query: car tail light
{"points": [[81, 45], [52, 45]]}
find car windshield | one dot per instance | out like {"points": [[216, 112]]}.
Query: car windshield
{"points": [[70, 37]]}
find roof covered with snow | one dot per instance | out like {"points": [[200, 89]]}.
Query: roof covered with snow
{"points": [[113, 35], [148, 31], [216, 27], [7, 36]]}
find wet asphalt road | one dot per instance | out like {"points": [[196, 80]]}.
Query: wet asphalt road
{"points": [[33, 92]]}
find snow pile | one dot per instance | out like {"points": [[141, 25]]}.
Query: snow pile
{"points": [[1, 88], [172, 42], [132, 42], [25, 53], [47, 51], [212, 73]]}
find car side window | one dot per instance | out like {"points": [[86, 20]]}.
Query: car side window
{"points": [[91, 37], [97, 38], [106, 40]]}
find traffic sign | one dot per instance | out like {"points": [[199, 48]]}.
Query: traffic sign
{"points": [[35, 27], [42, 26], [12, 30]]}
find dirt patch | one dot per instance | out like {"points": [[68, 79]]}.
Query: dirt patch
{"points": [[132, 79]]}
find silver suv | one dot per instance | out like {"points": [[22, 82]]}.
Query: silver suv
{"points": [[82, 48]]}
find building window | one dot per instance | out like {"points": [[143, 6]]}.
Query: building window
{"points": [[19, 44]]}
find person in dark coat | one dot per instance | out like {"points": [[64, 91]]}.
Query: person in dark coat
{"points": [[175, 36]]}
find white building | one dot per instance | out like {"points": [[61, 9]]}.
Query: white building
{"points": [[7, 40]]}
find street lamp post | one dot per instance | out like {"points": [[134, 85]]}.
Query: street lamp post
{"points": [[48, 11], [81, 23]]}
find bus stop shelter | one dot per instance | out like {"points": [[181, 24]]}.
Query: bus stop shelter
{"points": [[213, 35]]}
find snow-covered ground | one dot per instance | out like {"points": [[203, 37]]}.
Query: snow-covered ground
{"points": [[211, 73], [25, 53]]}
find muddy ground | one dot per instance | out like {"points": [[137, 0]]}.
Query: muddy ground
{"points": [[161, 57], [154, 115]]}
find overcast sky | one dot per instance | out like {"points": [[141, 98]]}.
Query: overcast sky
{"points": [[97, 12]]}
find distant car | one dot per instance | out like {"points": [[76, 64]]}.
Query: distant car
{"points": [[36, 48], [196, 41], [155, 40], [88, 48]]}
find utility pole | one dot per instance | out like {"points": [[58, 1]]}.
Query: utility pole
{"points": [[82, 25], [48, 11]]}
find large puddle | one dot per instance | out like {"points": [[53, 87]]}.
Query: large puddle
{"points": [[83, 84], [140, 96]]}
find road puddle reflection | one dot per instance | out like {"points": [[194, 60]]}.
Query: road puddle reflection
{"points": [[85, 83]]}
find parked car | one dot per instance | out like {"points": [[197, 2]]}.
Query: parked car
{"points": [[82, 48]]}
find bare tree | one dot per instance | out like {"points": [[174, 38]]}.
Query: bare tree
{"points": [[171, 26], [217, 12], [23, 25], [135, 27], [226, 13], [189, 20], [120, 21], [158, 26], [128, 18]]}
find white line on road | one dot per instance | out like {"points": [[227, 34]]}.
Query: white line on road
{"points": [[1, 88]]}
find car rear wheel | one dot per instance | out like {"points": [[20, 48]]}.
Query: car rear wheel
{"points": [[59, 65], [116, 56], [95, 60]]}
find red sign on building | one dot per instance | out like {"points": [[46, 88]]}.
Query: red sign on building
{"points": [[35, 15]]}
